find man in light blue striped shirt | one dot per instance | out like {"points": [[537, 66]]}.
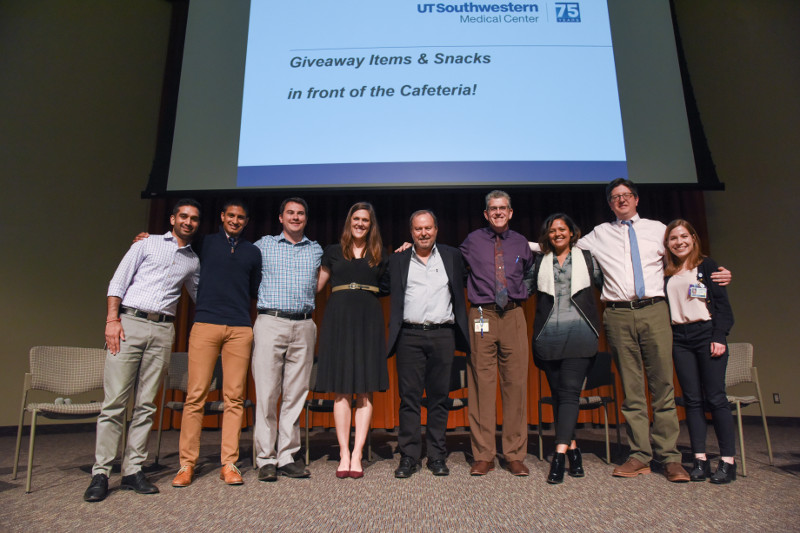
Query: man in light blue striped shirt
{"points": [[284, 339], [142, 299]]}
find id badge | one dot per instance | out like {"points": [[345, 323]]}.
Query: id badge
{"points": [[698, 290], [481, 326]]}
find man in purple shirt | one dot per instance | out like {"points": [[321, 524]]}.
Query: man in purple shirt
{"points": [[497, 259]]}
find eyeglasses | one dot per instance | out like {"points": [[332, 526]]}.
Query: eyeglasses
{"points": [[623, 196]]}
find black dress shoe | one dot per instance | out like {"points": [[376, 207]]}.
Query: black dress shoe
{"points": [[98, 489], [295, 470], [138, 482], [701, 470], [725, 473], [556, 474], [575, 463], [438, 467], [406, 468], [268, 472]]}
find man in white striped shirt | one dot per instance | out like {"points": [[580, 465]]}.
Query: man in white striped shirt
{"points": [[142, 299]]}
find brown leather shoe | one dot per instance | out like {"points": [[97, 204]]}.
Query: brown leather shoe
{"points": [[518, 468], [675, 472], [481, 468], [631, 468], [184, 477], [231, 475]]}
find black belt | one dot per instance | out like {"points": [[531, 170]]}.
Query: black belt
{"points": [[496, 308], [635, 304], [281, 314], [152, 317], [426, 327]]}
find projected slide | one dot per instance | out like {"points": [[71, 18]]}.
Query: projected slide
{"points": [[398, 93]]}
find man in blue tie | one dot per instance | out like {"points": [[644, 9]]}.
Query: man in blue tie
{"points": [[630, 253]]}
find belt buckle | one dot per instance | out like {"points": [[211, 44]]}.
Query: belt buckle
{"points": [[153, 317], [354, 286]]}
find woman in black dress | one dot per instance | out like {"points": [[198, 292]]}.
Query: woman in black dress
{"points": [[352, 347]]}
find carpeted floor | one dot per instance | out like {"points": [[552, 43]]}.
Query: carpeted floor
{"points": [[767, 500]]}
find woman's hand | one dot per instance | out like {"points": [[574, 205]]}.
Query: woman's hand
{"points": [[717, 349]]}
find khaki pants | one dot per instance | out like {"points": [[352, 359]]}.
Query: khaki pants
{"points": [[641, 342], [206, 343]]}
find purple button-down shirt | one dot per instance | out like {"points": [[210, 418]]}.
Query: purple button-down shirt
{"points": [[478, 251]]}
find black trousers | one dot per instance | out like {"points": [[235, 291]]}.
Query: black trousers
{"points": [[565, 377], [702, 380], [424, 360]]}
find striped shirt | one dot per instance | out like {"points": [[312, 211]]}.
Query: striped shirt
{"points": [[151, 274], [288, 273]]}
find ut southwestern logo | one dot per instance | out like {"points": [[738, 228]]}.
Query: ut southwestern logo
{"points": [[470, 7], [568, 12]]}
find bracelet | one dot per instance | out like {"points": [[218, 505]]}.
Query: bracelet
{"points": [[113, 320]]}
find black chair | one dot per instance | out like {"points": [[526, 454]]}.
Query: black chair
{"points": [[324, 405], [600, 375], [177, 378]]}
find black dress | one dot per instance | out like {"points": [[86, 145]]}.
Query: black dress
{"points": [[352, 341]]}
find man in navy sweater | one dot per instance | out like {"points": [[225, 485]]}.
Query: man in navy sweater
{"points": [[230, 276]]}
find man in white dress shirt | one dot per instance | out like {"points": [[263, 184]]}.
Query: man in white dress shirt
{"points": [[630, 253]]}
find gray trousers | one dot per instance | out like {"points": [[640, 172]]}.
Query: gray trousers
{"points": [[138, 368], [283, 354]]}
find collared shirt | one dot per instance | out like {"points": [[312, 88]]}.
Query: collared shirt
{"points": [[151, 274], [427, 298], [610, 245], [288, 273], [478, 252]]}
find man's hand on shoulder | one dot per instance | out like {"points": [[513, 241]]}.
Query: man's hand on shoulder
{"points": [[722, 277], [143, 235], [403, 247]]}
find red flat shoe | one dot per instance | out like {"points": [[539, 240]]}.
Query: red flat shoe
{"points": [[343, 474], [355, 474]]}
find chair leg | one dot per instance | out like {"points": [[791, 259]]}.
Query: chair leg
{"points": [[19, 441], [308, 452], [30, 452], [741, 437], [161, 418], [369, 443], [766, 432], [608, 442], [541, 454]]}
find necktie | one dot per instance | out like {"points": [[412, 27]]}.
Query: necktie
{"points": [[638, 274], [232, 240], [500, 284]]}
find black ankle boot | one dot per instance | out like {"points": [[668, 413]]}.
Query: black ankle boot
{"points": [[701, 470], [725, 473], [575, 463], [556, 474]]}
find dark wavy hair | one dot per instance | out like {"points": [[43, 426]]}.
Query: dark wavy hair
{"points": [[544, 241], [374, 247]]}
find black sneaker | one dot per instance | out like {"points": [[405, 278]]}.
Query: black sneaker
{"points": [[296, 470], [138, 482], [406, 468], [98, 489], [268, 472], [438, 467]]}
